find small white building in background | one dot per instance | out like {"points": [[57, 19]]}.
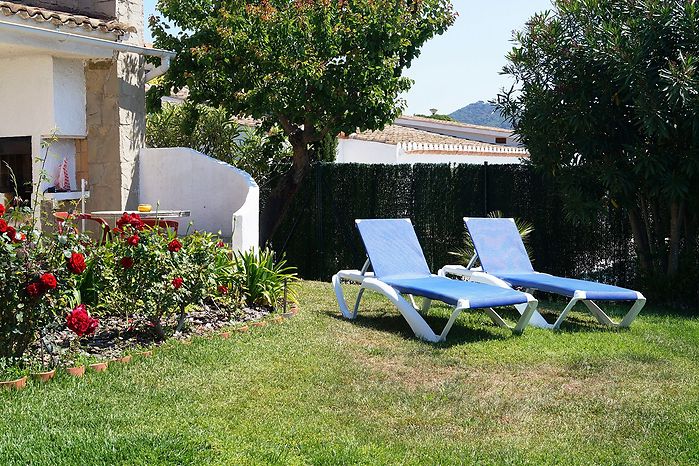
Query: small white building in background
{"points": [[425, 140]]}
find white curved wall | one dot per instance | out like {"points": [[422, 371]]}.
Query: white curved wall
{"points": [[220, 197]]}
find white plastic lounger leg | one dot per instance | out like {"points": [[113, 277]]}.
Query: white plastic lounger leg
{"points": [[528, 310], [565, 312], [536, 319], [450, 323], [604, 319], [414, 319], [340, 295], [426, 303]]}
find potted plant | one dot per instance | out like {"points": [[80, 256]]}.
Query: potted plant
{"points": [[12, 376], [77, 365], [98, 366], [42, 372], [124, 359]]}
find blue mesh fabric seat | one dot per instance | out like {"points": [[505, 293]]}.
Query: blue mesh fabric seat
{"points": [[502, 254], [397, 259]]}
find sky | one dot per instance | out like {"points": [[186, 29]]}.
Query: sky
{"points": [[462, 65]]}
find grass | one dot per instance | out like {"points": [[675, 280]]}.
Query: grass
{"points": [[322, 390]]}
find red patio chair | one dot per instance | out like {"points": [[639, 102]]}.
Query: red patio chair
{"points": [[61, 218]]}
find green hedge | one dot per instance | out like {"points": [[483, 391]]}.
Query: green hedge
{"points": [[319, 236]]}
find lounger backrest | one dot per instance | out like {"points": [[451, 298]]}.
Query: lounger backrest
{"points": [[393, 247], [498, 245]]}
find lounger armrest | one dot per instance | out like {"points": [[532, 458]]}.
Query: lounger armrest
{"points": [[471, 275], [355, 276], [458, 270]]}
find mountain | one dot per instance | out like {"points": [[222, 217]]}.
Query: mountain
{"points": [[480, 113]]}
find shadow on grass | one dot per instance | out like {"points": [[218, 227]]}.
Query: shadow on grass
{"points": [[465, 332]]}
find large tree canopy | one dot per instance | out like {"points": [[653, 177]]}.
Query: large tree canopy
{"points": [[312, 67], [606, 98]]}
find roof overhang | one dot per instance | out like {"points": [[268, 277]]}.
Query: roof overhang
{"points": [[16, 36]]}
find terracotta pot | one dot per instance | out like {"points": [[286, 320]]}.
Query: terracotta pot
{"points": [[99, 366], [277, 319], [225, 335], [261, 323], [43, 376], [145, 354], [76, 371], [124, 359], [242, 329], [14, 384]]}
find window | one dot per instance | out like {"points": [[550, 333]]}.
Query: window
{"points": [[500, 140]]}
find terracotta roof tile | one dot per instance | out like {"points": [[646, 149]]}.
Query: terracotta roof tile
{"points": [[394, 134], [60, 19], [426, 143]]}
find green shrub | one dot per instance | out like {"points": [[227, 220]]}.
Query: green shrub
{"points": [[262, 279]]}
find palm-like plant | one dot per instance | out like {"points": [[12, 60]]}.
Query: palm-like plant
{"points": [[262, 279], [468, 250]]}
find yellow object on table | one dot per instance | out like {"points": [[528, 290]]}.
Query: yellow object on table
{"points": [[145, 207]]}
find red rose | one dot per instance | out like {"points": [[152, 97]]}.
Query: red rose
{"points": [[174, 246], [222, 289], [136, 222], [177, 282], [124, 220], [130, 219], [33, 289], [2, 209], [3, 226], [126, 262], [80, 322], [48, 281], [220, 244], [133, 240], [11, 233], [76, 263]]}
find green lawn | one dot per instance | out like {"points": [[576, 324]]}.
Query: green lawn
{"points": [[321, 390]]}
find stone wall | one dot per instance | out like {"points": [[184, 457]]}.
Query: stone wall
{"points": [[116, 130]]}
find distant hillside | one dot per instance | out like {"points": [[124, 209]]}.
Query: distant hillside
{"points": [[480, 113]]}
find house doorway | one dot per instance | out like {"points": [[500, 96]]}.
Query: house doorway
{"points": [[16, 170]]}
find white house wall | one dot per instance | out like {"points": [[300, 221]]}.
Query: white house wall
{"points": [[369, 152], [26, 95], [69, 96], [357, 151], [468, 159]]}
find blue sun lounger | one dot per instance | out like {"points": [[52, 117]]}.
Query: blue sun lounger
{"points": [[504, 262], [400, 268]]}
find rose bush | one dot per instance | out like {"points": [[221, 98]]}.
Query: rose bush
{"points": [[52, 278], [39, 277]]}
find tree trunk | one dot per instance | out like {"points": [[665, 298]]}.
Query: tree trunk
{"points": [[284, 191], [673, 256], [640, 239]]}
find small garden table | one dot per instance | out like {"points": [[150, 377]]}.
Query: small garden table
{"points": [[160, 214]]}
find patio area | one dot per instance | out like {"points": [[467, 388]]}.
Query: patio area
{"points": [[320, 389]]}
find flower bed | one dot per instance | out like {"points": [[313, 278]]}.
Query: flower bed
{"points": [[68, 300]]}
